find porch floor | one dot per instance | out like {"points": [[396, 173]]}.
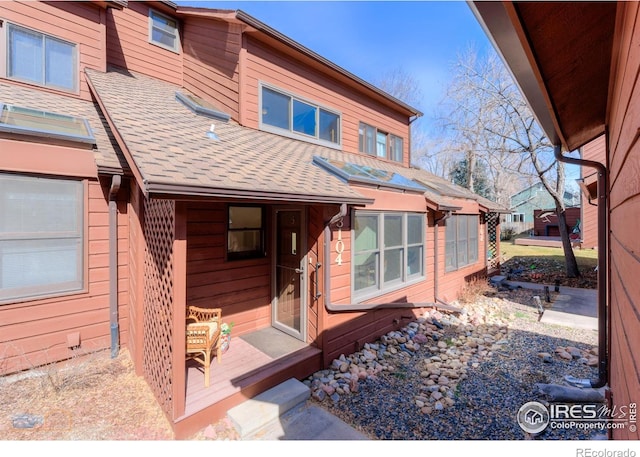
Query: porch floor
{"points": [[249, 358]]}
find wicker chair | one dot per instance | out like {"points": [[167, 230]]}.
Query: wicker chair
{"points": [[203, 336]]}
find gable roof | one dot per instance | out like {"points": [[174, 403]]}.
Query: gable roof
{"points": [[107, 154]]}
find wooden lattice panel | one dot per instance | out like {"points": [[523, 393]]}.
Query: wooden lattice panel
{"points": [[159, 233], [492, 237]]}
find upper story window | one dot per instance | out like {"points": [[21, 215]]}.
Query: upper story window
{"points": [[379, 143], [41, 59], [41, 236], [284, 113], [163, 31]]}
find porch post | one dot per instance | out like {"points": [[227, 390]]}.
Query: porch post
{"points": [[179, 307]]}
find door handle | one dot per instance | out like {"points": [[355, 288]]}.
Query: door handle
{"points": [[299, 270]]}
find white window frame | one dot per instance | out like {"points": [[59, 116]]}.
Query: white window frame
{"points": [[514, 216], [452, 246], [5, 55], [51, 289], [405, 280], [177, 46], [290, 133]]}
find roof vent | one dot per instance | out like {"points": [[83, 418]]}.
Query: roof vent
{"points": [[212, 134]]}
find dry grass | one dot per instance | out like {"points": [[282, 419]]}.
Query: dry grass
{"points": [[91, 397], [473, 290]]}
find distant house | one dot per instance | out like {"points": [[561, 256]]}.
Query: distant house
{"points": [[157, 156], [524, 203]]}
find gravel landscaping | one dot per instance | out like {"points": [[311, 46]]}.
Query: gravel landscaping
{"points": [[458, 377]]}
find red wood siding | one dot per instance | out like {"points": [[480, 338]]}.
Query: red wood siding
{"points": [[264, 64], [35, 332], [595, 150], [128, 45], [77, 22], [242, 288], [136, 274], [211, 59], [624, 172]]}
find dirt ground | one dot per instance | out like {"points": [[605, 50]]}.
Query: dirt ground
{"points": [[545, 270], [92, 397]]}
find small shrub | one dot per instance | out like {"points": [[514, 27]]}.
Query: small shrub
{"points": [[473, 290]]}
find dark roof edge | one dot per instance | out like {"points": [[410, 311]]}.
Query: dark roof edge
{"points": [[159, 188], [264, 28]]}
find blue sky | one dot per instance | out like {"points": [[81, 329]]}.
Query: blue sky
{"points": [[371, 38]]}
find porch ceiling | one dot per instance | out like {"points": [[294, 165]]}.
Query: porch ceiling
{"points": [[560, 54]]}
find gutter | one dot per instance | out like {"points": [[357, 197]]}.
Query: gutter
{"points": [[603, 204], [351, 307], [116, 180]]}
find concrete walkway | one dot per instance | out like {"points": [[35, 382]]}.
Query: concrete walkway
{"points": [[572, 307]]}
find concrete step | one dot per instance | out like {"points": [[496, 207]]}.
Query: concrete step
{"points": [[260, 412]]}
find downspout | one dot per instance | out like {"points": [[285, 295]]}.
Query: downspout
{"points": [[116, 180], [436, 280], [602, 266], [351, 307]]}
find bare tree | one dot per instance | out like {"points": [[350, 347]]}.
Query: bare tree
{"points": [[488, 119]]}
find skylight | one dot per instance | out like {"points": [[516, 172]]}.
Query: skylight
{"points": [[352, 172], [27, 121], [201, 106]]}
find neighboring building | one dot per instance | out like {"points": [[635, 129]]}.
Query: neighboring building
{"points": [[577, 64], [164, 156], [535, 197]]}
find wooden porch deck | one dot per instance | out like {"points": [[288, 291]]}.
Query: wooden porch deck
{"points": [[243, 366]]}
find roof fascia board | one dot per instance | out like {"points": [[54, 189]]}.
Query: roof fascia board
{"points": [[503, 27], [176, 190]]}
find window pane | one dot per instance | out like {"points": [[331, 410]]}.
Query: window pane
{"points": [[414, 260], [370, 133], [392, 230], [450, 243], [366, 233], [415, 229], [25, 55], [395, 148], [245, 217], [36, 263], [304, 118], [473, 238], [381, 144], [361, 137], [245, 241], [275, 108], [32, 205], [365, 271], [462, 240], [329, 127], [59, 63], [164, 30], [393, 264]]}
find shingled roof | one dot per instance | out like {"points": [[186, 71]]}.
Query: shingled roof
{"points": [[172, 154], [107, 153]]}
